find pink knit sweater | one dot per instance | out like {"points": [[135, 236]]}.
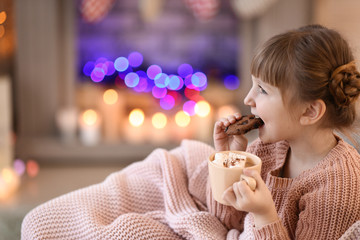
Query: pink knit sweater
{"points": [[167, 196]]}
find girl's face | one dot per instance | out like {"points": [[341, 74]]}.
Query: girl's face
{"points": [[267, 103]]}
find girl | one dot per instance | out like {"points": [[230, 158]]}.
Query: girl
{"points": [[305, 86]]}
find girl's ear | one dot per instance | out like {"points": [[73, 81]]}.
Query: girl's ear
{"points": [[313, 112]]}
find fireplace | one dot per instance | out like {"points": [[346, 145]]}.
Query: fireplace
{"points": [[56, 97]]}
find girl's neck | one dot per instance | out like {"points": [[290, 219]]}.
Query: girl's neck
{"points": [[307, 152]]}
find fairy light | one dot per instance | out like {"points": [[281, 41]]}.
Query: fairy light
{"points": [[189, 107], [110, 96], [121, 64], [202, 108], [19, 167], [2, 17], [159, 120], [136, 117], [182, 119], [32, 168]]}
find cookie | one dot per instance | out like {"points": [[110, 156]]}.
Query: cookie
{"points": [[244, 125]]}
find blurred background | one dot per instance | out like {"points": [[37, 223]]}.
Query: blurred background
{"points": [[90, 86]]}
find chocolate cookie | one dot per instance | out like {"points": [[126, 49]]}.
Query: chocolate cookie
{"points": [[244, 125]]}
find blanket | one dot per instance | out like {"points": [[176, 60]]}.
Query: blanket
{"points": [[161, 197]]}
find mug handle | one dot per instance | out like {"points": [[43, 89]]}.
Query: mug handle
{"points": [[249, 180]]}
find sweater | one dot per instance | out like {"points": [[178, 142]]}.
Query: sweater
{"points": [[167, 196], [320, 203]]}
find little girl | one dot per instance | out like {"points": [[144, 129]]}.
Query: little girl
{"points": [[305, 86]]}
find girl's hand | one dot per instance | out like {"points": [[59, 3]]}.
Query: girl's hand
{"points": [[258, 202], [224, 142]]}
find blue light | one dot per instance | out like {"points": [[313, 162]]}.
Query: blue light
{"points": [[175, 83], [231, 82], [199, 79], [132, 79], [162, 80], [184, 70], [135, 59], [88, 68], [121, 64]]}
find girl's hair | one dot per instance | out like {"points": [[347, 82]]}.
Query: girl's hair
{"points": [[310, 63]]}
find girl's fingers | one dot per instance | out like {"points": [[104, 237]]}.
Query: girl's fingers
{"points": [[254, 174], [231, 118], [237, 115], [229, 196]]}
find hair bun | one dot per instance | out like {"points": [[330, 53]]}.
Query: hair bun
{"points": [[344, 84]]}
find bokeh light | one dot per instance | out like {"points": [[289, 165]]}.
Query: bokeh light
{"points": [[32, 168], [153, 70], [2, 17], [189, 107], [175, 82], [136, 117], [132, 79], [88, 68], [192, 94], [231, 82], [184, 70], [159, 120], [167, 102], [161, 80], [97, 74], [177, 97], [135, 59], [110, 96], [199, 79], [202, 108], [158, 92], [19, 167], [142, 85], [110, 68], [89, 117], [9, 176], [121, 64], [182, 119]]}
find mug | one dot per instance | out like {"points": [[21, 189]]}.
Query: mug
{"points": [[221, 178]]}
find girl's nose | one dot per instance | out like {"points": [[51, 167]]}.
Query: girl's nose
{"points": [[248, 100]]}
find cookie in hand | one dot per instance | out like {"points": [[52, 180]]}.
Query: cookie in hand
{"points": [[244, 124]]}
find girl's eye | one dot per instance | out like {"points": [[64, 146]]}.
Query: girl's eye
{"points": [[261, 90]]}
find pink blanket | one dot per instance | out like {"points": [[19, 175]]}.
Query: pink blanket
{"points": [[161, 197]]}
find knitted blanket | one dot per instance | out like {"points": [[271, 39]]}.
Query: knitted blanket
{"points": [[161, 197]]}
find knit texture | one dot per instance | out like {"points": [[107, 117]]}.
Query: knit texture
{"points": [[167, 196]]}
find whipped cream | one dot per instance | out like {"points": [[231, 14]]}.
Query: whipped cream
{"points": [[229, 159]]}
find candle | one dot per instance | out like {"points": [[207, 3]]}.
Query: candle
{"points": [[112, 112], [203, 121], [66, 122], [89, 127], [135, 131], [180, 127], [6, 148], [159, 129], [9, 183]]}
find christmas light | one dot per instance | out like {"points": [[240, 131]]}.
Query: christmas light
{"points": [[136, 117]]}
